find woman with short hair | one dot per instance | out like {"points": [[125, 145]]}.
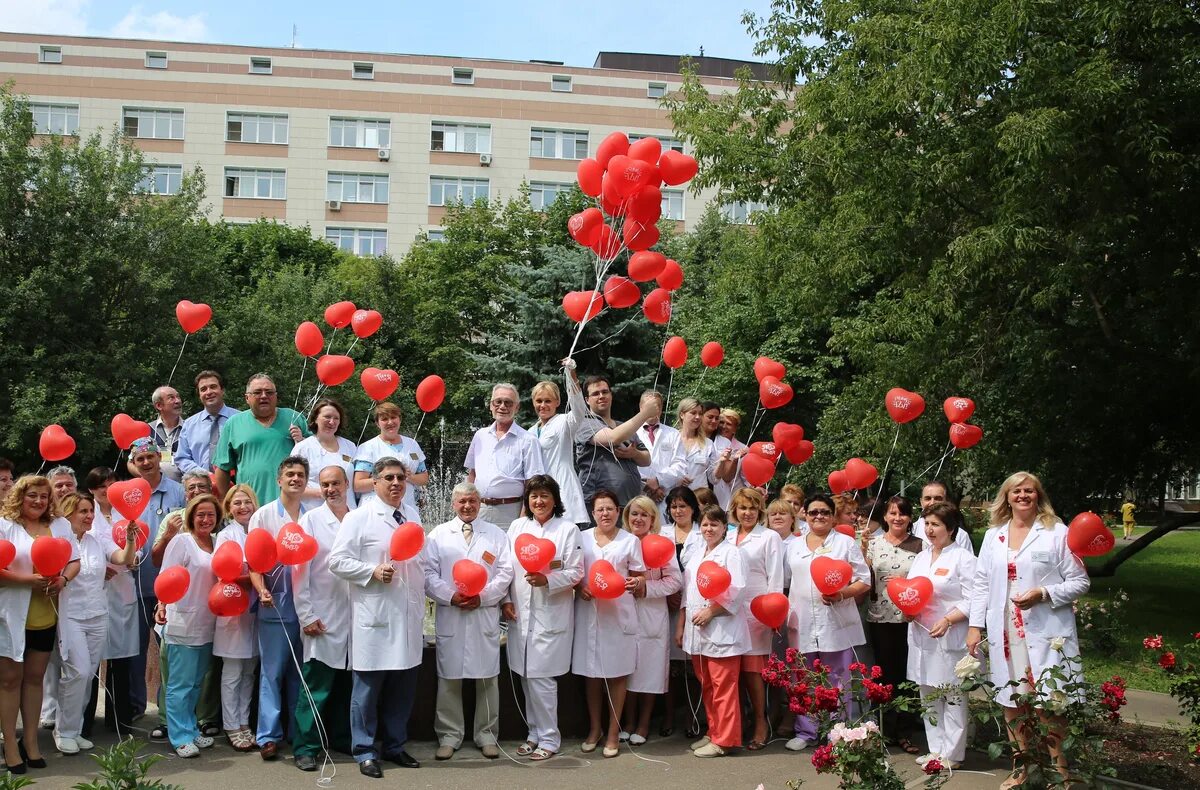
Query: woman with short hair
{"points": [[555, 434], [326, 447], [235, 639]]}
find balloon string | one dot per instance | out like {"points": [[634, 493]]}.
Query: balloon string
{"points": [[300, 384], [945, 456], [628, 321], [329, 347], [921, 474], [883, 477], [660, 352], [352, 345], [40, 468], [181, 347], [420, 422], [367, 421], [670, 384], [760, 414], [696, 389], [118, 461]]}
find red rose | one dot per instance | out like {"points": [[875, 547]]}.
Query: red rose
{"points": [[1167, 660], [1153, 642], [822, 758], [933, 767]]}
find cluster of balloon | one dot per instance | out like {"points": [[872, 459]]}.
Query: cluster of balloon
{"points": [[535, 554], [604, 581], [407, 540], [469, 577], [910, 595], [771, 609], [50, 555], [172, 584], [963, 435], [789, 438], [1088, 537], [830, 575], [55, 444], [773, 391], [855, 476], [712, 579], [126, 430]]}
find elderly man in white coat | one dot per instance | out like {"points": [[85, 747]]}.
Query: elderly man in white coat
{"points": [[323, 608], [468, 627], [387, 601], [668, 462]]}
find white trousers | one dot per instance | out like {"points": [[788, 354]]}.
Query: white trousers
{"points": [[237, 689], [947, 733], [541, 711], [83, 641], [450, 725]]}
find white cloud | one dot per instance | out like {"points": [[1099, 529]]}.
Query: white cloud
{"points": [[161, 25], [62, 17]]}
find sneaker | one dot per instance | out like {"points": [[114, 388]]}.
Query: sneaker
{"points": [[203, 741], [188, 750], [710, 750], [796, 745], [636, 739], [84, 743], [700, 744], [66, 745]]}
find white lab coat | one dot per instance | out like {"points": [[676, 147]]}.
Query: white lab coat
{"points": [[189, 620], [319, 595], [668, 464], [388, 619], [1042, 561], [120, 600], [14, 598], [699, 462], [762, 549], [539, 640], [654, 634], [931, 661], [236, 637], [319, 458], [727, 635], [961, 538], [813, 626], [557, 441], [468, 642], [605, 642], [722, 490]]}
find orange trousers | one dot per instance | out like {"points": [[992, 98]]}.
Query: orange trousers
{"points": [[719, 684]]}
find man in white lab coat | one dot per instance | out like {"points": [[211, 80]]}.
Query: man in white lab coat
{"points": [[387, 601], [468, 627]]}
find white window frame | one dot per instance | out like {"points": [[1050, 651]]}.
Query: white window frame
{"points": [[351, 187], [362, 127], [741, 212], [456, 133], [539, 189], [460, 75], [261, 64], [361, 70], [155, 115], [50, 54], [445, 183], [656, 90], [561, 138], [68, 112], [337, 235], [437, 235], [154, 55], [171, 175], [257, 121], [668, 142], [274, 179], [670, 196], [561, 83]]}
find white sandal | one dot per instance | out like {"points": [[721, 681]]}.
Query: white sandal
{"points": [[526, 749], [539, 754]]}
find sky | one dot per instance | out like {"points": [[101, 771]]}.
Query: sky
{"points": [[568, 31]]}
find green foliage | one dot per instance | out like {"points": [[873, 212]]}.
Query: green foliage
{"points": [[10, 782], [121, 769]]}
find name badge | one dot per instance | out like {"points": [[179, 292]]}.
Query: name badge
{"points": [[942, 572], [822, 550], [412, 456], [556, 565], [1041, 556], [489, 558], [165, 456], [346, 458]]}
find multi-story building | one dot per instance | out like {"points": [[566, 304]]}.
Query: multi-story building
{"points": [[367, 149]]}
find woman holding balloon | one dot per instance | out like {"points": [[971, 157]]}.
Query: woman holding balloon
{"points": [[938, 608], [604, 650], [235, 637], [39, 557], [182, 588], [826, 572], [556, 436]]}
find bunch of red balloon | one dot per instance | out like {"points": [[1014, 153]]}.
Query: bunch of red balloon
{"points": [[773, 391], [963, 435], [855, 476]]}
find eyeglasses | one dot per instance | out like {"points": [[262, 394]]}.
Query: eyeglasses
{"points": [[261, 393], [502, 403], [820, 513], [391, 478]]}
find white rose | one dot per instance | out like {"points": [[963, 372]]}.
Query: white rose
{"points": [[967, 667], [1057, 643]]}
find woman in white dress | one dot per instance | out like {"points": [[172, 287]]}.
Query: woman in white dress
{"points": [[605, 645], [326, 448], [649, 677], [541, 614], [556, 435], [235, 639], [1025, 582], [937, 635], [698, 450]]}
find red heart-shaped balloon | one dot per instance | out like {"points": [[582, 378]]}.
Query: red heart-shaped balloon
{"points": [[648, 149], [227, 598], [657, 550], [800, 453], [645, 206], [126, 430], [860, 474], [604, 582], [340, 314], [120, 533], [469, 577], [774, 393], [786, 434], [838, 484], [768, 450], [657, 306], [365, 323], [534, 553], [55, 443], [407, 541], [758, 470], [712, 354], [620, 292], [910, 595], [646, 265], [1088, 537], [765, 366], [964, 435], [130, 497], [607, 245], [50, 555], [379, 384], [958, 409], [309, 340], [192, 316], [676, 168], [8, 553], [616, 143], [583, 306], [712, 579], [590, 174], [671, 276], [584, 227], [845, 529], [333, 369], [172, 584], [830, 574], [293, 545], [261, 552], [675, 352], [639, 235], [771, 609], [431, 392], [228, 561], [903, 406]]}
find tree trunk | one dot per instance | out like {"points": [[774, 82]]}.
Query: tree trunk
{"points": [[1169, 523]]}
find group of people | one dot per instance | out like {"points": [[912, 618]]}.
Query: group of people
{"points": [[330, 648]]}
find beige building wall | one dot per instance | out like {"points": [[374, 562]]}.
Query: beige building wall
{"points": [[106, 76]]}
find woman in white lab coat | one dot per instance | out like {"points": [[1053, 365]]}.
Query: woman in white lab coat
{"points": [[604, 648], [825, 627], [541, 607], [654, 633], [937, 635], [716, 635], [189, 623], [763, 552], [235, 638], [698, 449], [556, 435], [1025, 582]]}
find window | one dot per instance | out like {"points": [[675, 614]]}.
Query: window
{"points": [[162, 180], [247, 128], [357, 188], [667, 142], [436, 234], [558, 144], [55, 118], [672, 204], [656, 90], [740, 212], [156, 60], [363, 71], [359, 133], [260, 65], [461, 137], [543, 193], [463, 77], [157, 124], [50, 55], [562, 84], [360, 241], [443, 190], [250, 183]]}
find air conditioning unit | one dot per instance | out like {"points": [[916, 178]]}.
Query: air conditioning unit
{"points": [[485, 160], [385, 154], [333, 205]]}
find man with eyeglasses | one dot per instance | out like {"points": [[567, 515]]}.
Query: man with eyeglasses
{"points": [[607, 455], [501, 458], [253, 442]]}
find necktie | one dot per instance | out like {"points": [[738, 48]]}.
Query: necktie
{"points": [[650, 432], [396, 514], [467, 533], [214, 433]]}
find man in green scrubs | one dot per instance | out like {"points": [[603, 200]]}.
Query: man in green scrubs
{"points": [[253, 442]]}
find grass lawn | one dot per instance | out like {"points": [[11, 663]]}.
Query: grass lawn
{"points": [[1161, 581]]}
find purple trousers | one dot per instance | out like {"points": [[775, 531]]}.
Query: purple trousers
{"points": [[839, 674]]}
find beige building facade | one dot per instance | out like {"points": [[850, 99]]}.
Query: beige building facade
{"points": [[364, 148]]}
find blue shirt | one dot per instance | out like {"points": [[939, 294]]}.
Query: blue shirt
{"points": [[166, 497], [194, 437]]}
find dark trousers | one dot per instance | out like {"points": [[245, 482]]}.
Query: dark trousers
{"points": [[380, 706], [118, 707], [137, 664], [890, 643]]}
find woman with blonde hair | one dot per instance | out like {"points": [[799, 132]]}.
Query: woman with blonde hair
{"points": [[28, 617], [728, 478], [1026, 580], [235, 639], [698, 450], [556, 435], [649, 678]]}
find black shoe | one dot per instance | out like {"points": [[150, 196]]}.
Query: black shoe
{"points": [[38, 763], [16, 770], [306, 762], [370, 768], [403, 759]]}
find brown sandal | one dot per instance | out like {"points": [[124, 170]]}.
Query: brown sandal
{"points": [[755, 746]]}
